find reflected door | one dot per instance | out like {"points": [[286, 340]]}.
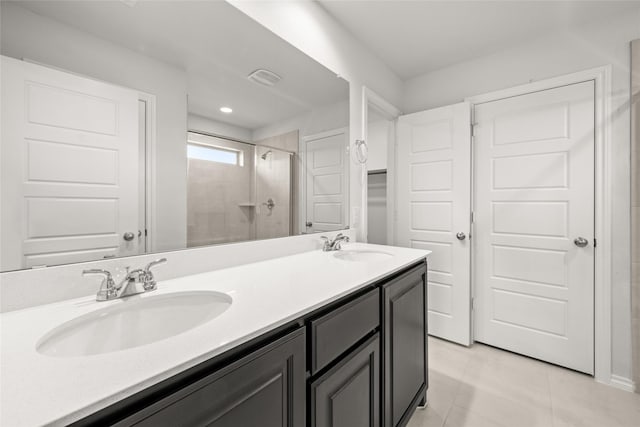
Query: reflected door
{"points": [[326, 181], [534, 158], [434, 207], [69, 167]]}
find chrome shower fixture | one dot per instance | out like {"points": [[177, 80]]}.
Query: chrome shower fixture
{"points": [[264, 156]]}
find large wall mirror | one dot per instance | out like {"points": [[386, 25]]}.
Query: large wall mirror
{"points": [[134, 127]]}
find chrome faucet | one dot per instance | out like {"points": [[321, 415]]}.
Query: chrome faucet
{"points": [[335, 244], [134, 282]]}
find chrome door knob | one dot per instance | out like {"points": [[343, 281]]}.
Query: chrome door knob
{"points": [[128, 236], [309, 224], [461, 236], [580, 242]]}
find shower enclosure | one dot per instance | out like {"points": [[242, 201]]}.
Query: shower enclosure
{"points": [[236, 191], [274, 209]]}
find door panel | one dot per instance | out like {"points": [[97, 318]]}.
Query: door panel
{"points": [[405, 345], [326, 181], [534, 163], [69, 145], [433, 204], [349, 394]]}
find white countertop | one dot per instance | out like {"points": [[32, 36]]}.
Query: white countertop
{"points": [[38, 390]]}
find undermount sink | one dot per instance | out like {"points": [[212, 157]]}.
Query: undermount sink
{"points": [[133, 322], [357, 255]]}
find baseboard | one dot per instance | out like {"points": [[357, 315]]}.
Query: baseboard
{"points": [[622, 383]]}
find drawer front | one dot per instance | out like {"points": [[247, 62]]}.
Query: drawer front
{"points": [[333, 333]]}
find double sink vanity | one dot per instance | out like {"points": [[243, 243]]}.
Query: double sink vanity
{"points": [[319, 338]]}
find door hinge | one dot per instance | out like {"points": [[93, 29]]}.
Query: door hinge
{"points": [[145, 233], [471, 304], [595, 242], [473, 219]]}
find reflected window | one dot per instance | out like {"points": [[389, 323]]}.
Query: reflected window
{"points": [[213, 154]]}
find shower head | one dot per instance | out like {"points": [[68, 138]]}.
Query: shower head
{"points": [[264, 156]]}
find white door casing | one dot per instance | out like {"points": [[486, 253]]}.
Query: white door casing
{"points": [[143, 198], [326, 181], [69, 167], [534, 194], [433, 193]]}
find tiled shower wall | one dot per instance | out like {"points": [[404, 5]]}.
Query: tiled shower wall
{"points": [[635, 208], [218, 196]]}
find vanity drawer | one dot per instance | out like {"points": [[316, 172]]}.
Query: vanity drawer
{"points": [[335, 332]]}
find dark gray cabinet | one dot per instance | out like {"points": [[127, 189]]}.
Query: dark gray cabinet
{"points": [[333, 333], [360, 361], [404, 333], [265, 388], [348, 395]]}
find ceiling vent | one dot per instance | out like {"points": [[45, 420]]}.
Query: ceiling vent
{"points": [[264, 77]]}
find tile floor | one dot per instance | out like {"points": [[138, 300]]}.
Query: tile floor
{"points": [[482, 386]]}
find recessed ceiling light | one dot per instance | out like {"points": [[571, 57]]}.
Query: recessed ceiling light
{"points": [[226, 110]]}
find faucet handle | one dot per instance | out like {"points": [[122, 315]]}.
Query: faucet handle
{"points": [[326, 243], [154, 263], [107, 287], [97, 271], [149, 280]]}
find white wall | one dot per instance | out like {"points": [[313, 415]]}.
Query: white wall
{"points": [[307, 26], [377, 142], [201, 124], [27, 35], [602, 43], [321, 119]]}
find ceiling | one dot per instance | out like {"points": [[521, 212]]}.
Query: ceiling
{"points": [[217, 46], [415, 37]]}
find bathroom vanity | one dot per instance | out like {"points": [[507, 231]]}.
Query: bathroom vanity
{"points": [[314, 339]]}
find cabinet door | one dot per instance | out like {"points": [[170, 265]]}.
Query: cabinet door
{"points": [[405, 345], [265, 388], [348, 395]]}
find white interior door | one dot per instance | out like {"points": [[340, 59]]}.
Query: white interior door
{"points": [[326, 181], [534, 162], [433, 191], [69, 158]]}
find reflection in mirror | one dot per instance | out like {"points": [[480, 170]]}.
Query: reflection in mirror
{"points": [[136, 127], [379, 128], [635, 191]]}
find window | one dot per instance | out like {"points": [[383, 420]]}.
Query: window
{"points": [[213, 154]]}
